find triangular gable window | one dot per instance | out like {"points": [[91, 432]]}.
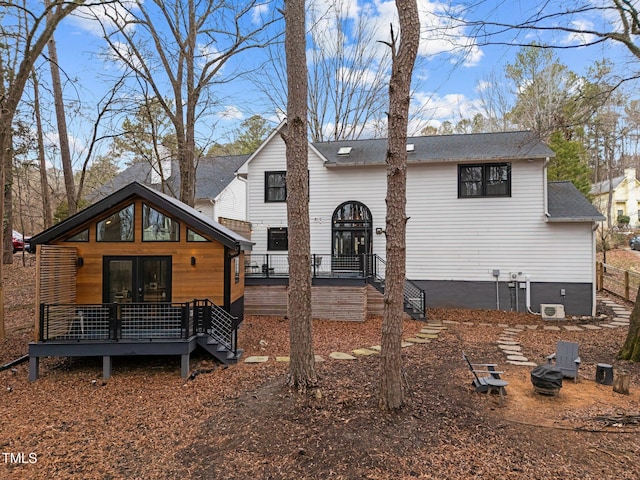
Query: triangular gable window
{"points": [[158, 227], [117, 227]]}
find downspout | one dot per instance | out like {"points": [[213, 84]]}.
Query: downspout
{"points": [[528, 295], [594, 275], [545, 189]]}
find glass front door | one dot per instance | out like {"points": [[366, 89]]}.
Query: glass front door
{"points": [[137, 279], [351, 236]]}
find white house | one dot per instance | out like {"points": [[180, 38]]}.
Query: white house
{"points": [[625, 197], [485, 228], [220, 193]]}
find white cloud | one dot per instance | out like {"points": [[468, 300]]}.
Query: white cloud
{"points": [[258, 11], [451, 107], [230, 112], [579, 38], [90, 18]]}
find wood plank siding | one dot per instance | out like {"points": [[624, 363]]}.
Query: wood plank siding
{"points": [[55, 278], [344, 303], [205, 279]]}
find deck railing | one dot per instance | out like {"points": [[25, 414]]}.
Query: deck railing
{"points": [[275, 265], [115, 321], [369, 266], [216, 322]]}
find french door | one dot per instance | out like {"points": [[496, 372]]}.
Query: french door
{"points": [[129, 279]]}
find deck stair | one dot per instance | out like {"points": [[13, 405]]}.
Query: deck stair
{"points": [[414, 296], [217, 331]]}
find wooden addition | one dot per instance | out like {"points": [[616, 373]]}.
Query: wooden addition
{"points": [[101, 271]]}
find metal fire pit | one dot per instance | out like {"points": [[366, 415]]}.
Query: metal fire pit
{"points": [[546, 379]]}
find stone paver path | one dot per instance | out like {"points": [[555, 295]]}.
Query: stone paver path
{"points": [[507, 341]]}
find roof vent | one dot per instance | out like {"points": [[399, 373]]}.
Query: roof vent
{"points": [[344, 150], [411, 147]]}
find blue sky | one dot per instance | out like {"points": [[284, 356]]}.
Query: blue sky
{"points": [[447, 75]]}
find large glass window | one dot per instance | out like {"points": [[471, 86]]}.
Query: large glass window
{"points": [[157, 227], [278, 238], [82, 236], [275, 187], [485, 180], [195, 236], [117, 227]]}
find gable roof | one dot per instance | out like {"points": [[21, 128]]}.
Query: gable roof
{"points": [[213, 175], [172, 206], [440, 148], [567, 204], [605, 186]]}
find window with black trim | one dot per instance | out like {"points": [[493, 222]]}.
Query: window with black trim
{"points": [[484, 180], [195, 236], [158, 227], [82, 236], [117, 227], [278, 238], [275, 186]]}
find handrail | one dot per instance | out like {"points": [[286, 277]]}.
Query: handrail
{"points": [[328, 265], [217, 323]]}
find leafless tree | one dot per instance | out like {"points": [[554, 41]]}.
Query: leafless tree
{"points": [[25, 33], [348, 73], [44, 182], [61, 122], [302, 373], [180, 49], [404, 48]]}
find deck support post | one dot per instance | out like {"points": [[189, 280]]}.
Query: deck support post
{"points": [[34, 368], [106, 367], [184, 365]]}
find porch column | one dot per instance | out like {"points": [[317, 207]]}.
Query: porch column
{"points": [[34, 368], [184, 365], [106, 367]]}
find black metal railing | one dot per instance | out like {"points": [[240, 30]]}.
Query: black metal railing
{"points": [[216, 322], [369, 266], [115, 321], [414, 298], [273, 265]]}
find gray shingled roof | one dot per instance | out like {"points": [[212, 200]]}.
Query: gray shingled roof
{"points": [[441, 148], [567, 204], [172, 206], [604, 186], [212, 176]]}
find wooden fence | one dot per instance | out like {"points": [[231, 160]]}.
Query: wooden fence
{"points": [[623, 283]]}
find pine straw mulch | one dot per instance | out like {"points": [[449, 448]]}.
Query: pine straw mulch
{"points": [[242, 422]]}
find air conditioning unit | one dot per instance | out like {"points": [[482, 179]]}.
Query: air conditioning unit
{"points": [[552, 311]]}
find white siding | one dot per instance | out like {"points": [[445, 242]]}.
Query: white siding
{"points": [[447, 238], [451, 238], [232, 201], [205, 207]]}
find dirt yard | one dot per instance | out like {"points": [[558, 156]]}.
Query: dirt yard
{"points": [[242, 422]]}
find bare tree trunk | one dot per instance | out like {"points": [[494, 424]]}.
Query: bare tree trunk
{"points": [[5, 152], [631, 348], [44, 181], [302, 373], [16, 80], [7, 251], [61, 120], [391, 392]]}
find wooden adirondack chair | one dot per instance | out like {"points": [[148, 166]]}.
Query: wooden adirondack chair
{"points": [[487, 384], [566, 359]]}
